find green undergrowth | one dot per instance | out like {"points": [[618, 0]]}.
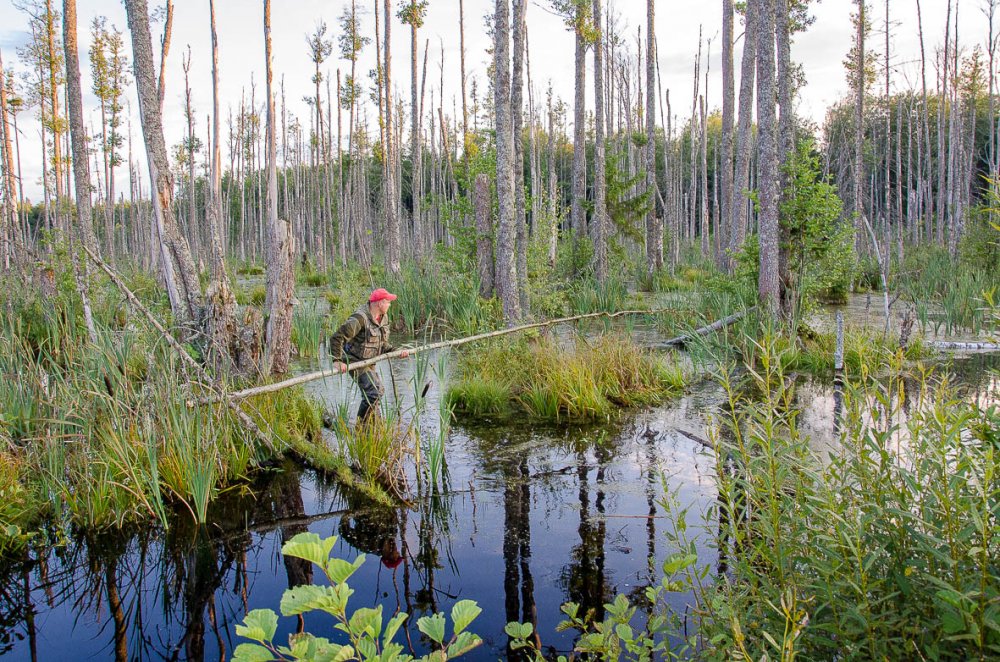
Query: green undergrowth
{"points": [[586, 382], [884, 547], [431, 294], [107, 432]]}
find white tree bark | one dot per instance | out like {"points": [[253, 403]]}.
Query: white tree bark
{"points": [[280, 279], [506, 276]]}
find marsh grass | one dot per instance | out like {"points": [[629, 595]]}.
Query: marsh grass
{"points": [[884, 549], [947, 295], [376, 448], [587, 382], [307, 275], [103, 434], [427, 293], [590, 296], [308, 329], [253, 295]]}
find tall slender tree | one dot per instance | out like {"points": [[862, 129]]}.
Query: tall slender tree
{"points": [[10, 222], [517, 125], [280, 279], [506, 276], [391, 191], [654, 222], [600, 223], [175, 257], [724, 227], [767, 167], [741, 178], [412, 13], [577, 14], [81, 161]]}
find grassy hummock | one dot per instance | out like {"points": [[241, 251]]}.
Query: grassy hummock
{"points": [[586, 382]]}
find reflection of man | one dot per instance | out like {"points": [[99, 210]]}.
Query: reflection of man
{"points": [[391, 558], [374, 533], [365, 335]]}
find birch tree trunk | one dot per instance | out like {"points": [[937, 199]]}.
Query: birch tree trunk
{"points": [[9, 239], [484, 235], [859, 127], [506, 277], [553, 217], [724, 226], [393, 248], [517, 123], [280, 280], [214, 215], [578, 215], [786, 144], [81, 162], [654, 222], [738, 222], [767, 167], [416, 156], [600, 221], [176, 263]]}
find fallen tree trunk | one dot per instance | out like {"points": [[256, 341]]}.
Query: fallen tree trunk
{"points": [[965, 346], [718, 325], [321, 374]]}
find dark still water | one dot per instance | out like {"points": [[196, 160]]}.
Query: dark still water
{"points": [[532, 517]]}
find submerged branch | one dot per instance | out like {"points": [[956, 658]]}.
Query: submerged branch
{"points": [[718, 325]]}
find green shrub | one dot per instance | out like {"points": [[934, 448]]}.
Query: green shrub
{"points": [[368, 639]]}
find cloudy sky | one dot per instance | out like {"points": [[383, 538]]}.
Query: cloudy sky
{"points": [[820, 51]]}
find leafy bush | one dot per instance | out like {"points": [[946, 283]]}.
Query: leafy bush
{"points": [[885, 549], [362, 630]]}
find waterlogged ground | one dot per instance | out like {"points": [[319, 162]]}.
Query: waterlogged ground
{"points": [[531, 517]]}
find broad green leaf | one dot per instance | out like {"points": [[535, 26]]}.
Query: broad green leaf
{"points": [[463, 643], [519, 630], [335, 653], [367, 649], [571, 609], [624, 632], [951, 621], [310, 547], [391, 652], [463, 613], [366, 621], [303, 646], [392, 627], [340, 570], [259, 625], [251, 653], [433, 627], [300, 599]]}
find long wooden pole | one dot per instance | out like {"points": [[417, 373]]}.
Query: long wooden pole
{"points": [[321, 374]]}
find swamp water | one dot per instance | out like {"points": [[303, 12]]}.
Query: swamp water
{"points": [[532, 517]]}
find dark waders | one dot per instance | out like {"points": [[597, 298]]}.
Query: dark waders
{"points": [[371, 391]]}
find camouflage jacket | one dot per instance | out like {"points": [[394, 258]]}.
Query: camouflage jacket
{"points": [[360, 337]]}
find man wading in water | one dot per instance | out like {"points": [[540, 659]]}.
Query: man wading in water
{"points": [[364, 335]]}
